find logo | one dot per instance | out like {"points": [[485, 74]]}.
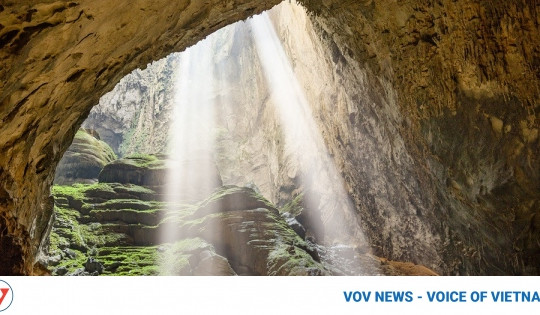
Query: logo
{"points": [[6, 295]]}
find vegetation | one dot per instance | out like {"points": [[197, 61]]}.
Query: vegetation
{"points": [[175, 257], [244, 194], [129, 261], [112, 224], [76, 191], [287, 259], [144, 161], [295, 206]]}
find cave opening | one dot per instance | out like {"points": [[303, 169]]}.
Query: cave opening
{"points": [[436, 140], [166, 175]]}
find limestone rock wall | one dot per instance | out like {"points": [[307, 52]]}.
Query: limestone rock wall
{"points": [[425, 190], [135, 116], [455, 90]]}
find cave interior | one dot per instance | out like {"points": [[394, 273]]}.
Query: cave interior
{"points": [[269, 138]]}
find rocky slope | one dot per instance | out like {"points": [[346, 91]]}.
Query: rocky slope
{"points": [[119, 228]]}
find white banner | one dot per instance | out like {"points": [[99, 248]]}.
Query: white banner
{"points": [[268, 295]]}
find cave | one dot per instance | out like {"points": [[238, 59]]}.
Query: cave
{"points": [[429, 112]]}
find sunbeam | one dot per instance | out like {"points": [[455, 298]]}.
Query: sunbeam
{"points": [[192, 171], [203, 89], [323, 186]]}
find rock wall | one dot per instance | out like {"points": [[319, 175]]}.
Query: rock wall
{"points": [[424, 190], [135, 116], [452, 113]]}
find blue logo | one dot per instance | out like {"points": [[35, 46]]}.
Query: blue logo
{"points": [[6, 295]]}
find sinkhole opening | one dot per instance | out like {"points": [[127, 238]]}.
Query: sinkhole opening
{"points": [[213, 161]]}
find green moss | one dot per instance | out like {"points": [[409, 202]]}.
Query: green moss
{"points": [[175, 257], [189, 245], [68, 228], [130, 204], [133, 189], [98, 187], [76, 191], [288, 259], [144, 161], [109, 242], [142, 156], [295, 206], [94, 235], [79, 191], [133, 260], [90, 145], [179, 213], [56, 242], [72, 264], [247, 193]]}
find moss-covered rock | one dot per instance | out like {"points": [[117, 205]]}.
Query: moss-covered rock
{"points": [[153, 171], [142, 170], [230, 198], [248, 230], [304, 220], [84, 159], [193, 256], [129, 261], [234, 231]]}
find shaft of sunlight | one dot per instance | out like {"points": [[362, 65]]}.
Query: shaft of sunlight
{"points": [[323, 185], [192, 171]]}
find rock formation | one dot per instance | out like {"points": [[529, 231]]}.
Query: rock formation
{"points": [[84, 160], [434, 128], [119, 228], [135, 116], [447, 115]]}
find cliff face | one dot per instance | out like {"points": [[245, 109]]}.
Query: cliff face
{"points": [[135, 116], [456, 85], [429, 110]]}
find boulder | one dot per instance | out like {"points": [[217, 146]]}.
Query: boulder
{"points": [[231, 198], [141, 170], [92, 266], [84, 159]]}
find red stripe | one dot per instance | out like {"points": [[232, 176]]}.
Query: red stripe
{"points": [[4, 293]]}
